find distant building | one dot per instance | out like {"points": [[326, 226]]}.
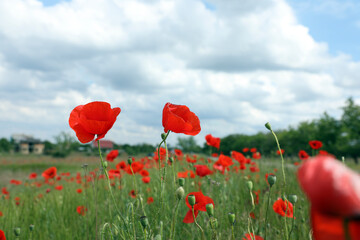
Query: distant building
{"points": [[27, 144], [104, 144]]}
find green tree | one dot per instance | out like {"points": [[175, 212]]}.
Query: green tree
{"points": [[188, 145], [65, 143], [5, 145]]}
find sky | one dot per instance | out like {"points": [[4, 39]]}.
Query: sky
{"points": [[235, 64]]}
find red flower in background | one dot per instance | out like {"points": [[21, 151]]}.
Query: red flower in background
{"points": [[178, 152], [49, 173], [179, 119], [251, 237], [33, 175], [15, 182], [112, 155], [280, 207], [79, 190], [5, 191], [253, 150], [132, 194], [200, 205], [202, 170], [81, 210], [2, 235], [59, 188], [303, 155], [224, 161], [212, 141], [256, 155], [334, 193], [278, 152], [315, 144], [121, 165], [146, 179], [150, 200], [245, 150], [95, 118]]}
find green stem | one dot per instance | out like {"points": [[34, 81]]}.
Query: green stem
{"points": [[266, 214], [109, 185], [293, 222], [202, 231], [145, 235], [232, 232], [161, 175], [173, 223], [282, 158]]}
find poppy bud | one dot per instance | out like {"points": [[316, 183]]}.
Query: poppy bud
{"points": [[249, 184], [105, 164], [181, 182], [191, 200], [31, 227], [180, 193], [231, 217], [268, 126], [214, 222], [271, 180], [17, 232], [144, 221], [171, 159], [163, 136], [130, 161], [210, 209], [293, 198]]}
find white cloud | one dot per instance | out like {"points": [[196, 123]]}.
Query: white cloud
{"points": [[237, 65]]}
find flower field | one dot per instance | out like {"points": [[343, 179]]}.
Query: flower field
{"points": [[177, 195]]}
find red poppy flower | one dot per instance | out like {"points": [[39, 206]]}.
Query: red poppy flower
{"points": [[79, 190], [178, 152], [315, 144], [278, 152], [112, 155], [179, 119], [132, 194], [214, 155], [182, 174], [256, 155], [280, 206], [212, 141], [121, 165], [245, 150], [303, 155], [150, 200], [136, 167], [253, 150], [238, 157], [81, 210], [95, 118], [59, 188], [225, 161], [15, 182], [333, 190], [49, 173], [2, 235], [200, 205], [144, 173], [202, 170], [146, 179], [33, 175], [251, 237], [5, 191]]}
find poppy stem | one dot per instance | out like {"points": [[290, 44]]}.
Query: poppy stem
{"points": [[282, 158], [173, 223], [109, 185], [164, 136], [267, 208], [293, 222], [202, 231], [232, 232]]}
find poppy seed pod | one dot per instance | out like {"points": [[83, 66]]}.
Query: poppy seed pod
{"points": [[271, 180], [181, 182], [163, 136], [105, 165], [130, 161], [249, 184], [231, 217], [17, 231], [31, 227], [180, 193], [210, 209], [144, 221], [292, 198], [191, 200], [268, 126], [171, 159]]}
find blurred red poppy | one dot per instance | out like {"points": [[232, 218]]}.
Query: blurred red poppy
{"points": [[146, 179], [121, 165], [2, 235], [253, 150], [179, 119], [95, 118], [251, 237], [278, 152], [315, 144], [245, 150], [132, 194], [212, 141], [79, 190], [33, 175], [225, 161], [49, 173], [5, 191], [112, 155], [59, 188], [178, 152], [15, 182], [280, 207], [144, 173], [150, 200], [200, 205], [81, 210], [202, 170], [256, 155], [334, 193], [303, 155]]}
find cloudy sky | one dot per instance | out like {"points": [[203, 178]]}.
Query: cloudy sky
{"points": [[237, 63]]}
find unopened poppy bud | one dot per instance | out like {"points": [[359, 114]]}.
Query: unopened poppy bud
{"points": [[163, 136], [231, 217], [180, 193], [271, 180], [191, 200], [210, 209], [171, 159], [144, 221], [268, 126], [31, 227], [17, 231], [105, 164], [181, 182], [293, 198], [130, 161], [249, 184]]}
